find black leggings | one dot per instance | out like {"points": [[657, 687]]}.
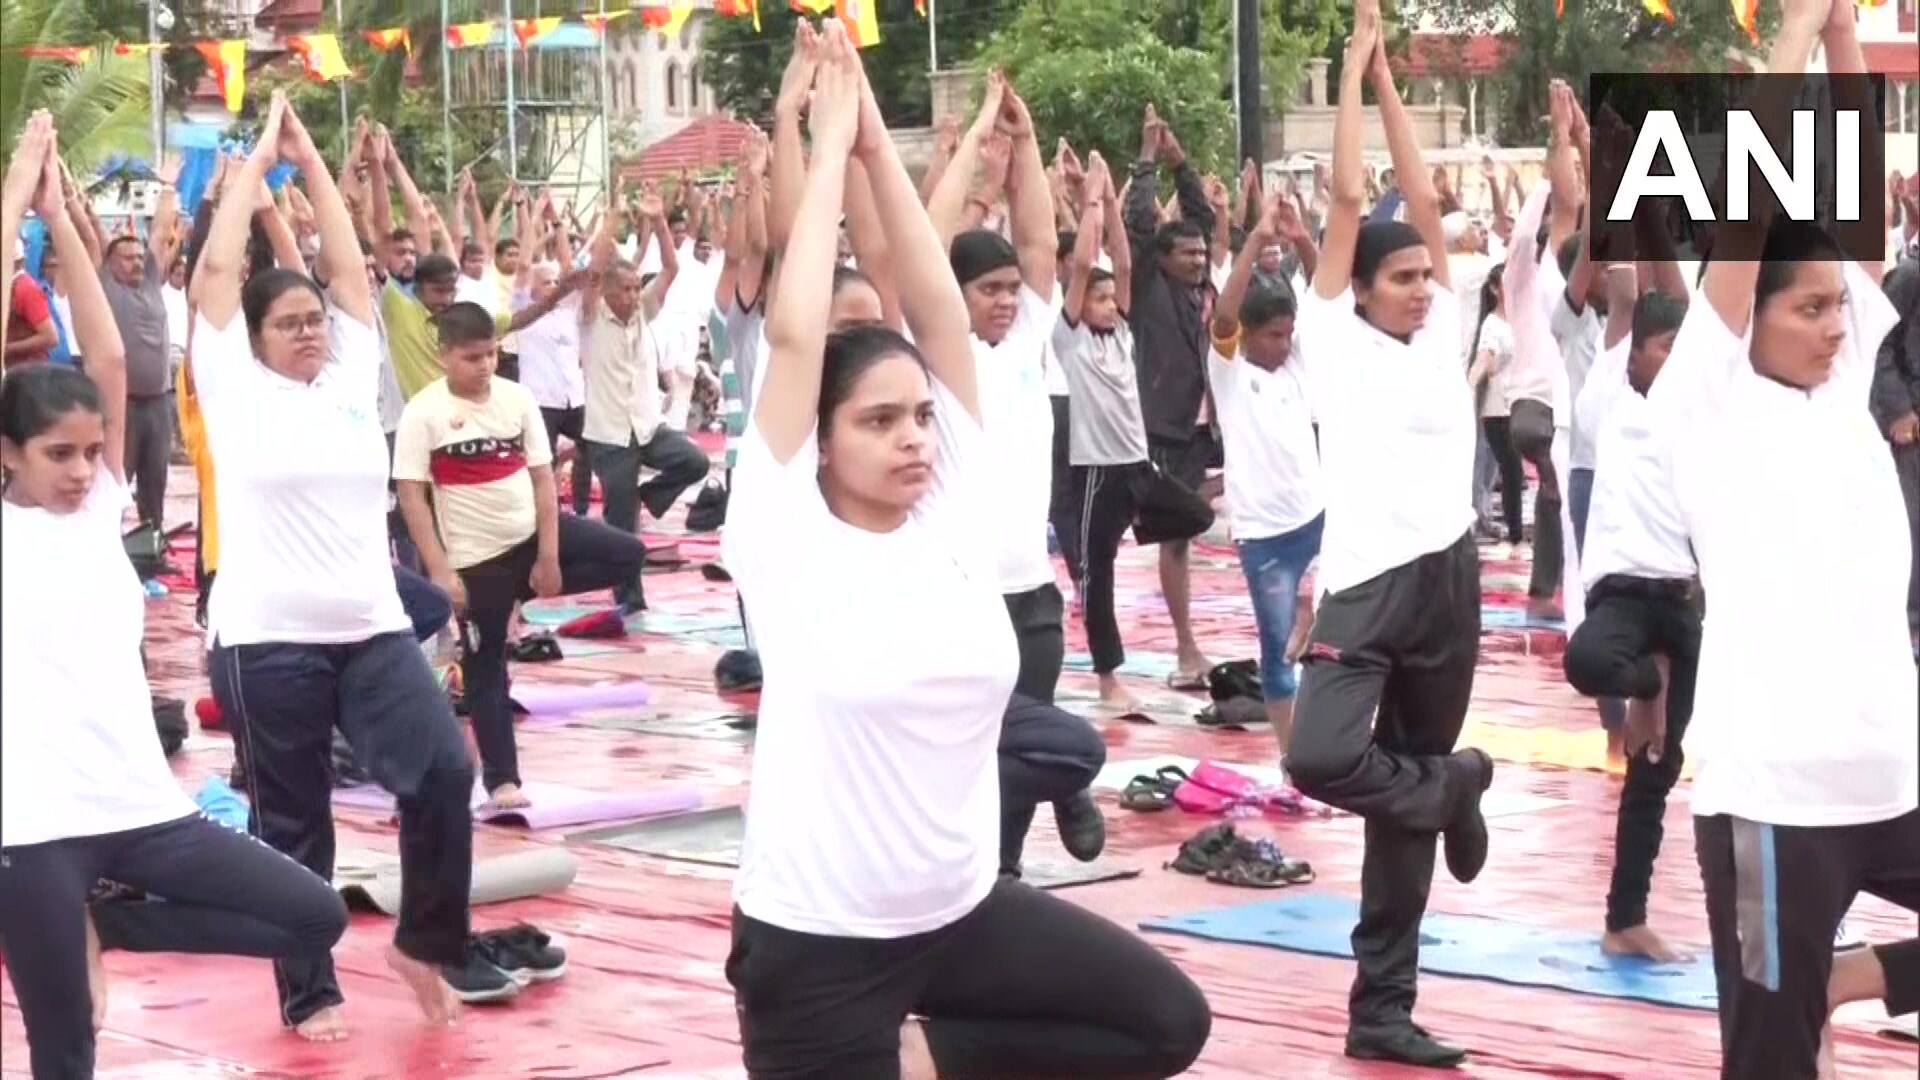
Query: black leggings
{"points": [[217, 892], [1108, 500], [1532, 437], [592, 557], [282, 701], [1046, 754], [1023, 987], [1513, 474], [1775, 897], [1629, 620]]}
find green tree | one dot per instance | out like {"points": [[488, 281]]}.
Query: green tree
{"points": [[100, 107], [1291, 33], [744, 66], [1088, 68], [1590, 36]]}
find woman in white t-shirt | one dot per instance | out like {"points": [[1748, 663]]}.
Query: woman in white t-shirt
{"points": [[1806, 791], [309, 632], [86, 789], [1390, 663], [1492, 352], [868, 889]]}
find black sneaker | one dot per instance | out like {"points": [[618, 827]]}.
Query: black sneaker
{"points": [[1083, 831], [479, 981], [524, 953]]}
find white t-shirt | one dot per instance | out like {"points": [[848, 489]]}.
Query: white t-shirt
{"points": [[1018, 414], [1396, 436], [302, 489], [1764, 473], [1273, 462], [1634, 525], [79, 755], [1579, 336], [1467, 272], [1497, 337], [874, 809], [176, 305], [550, 354], [482, 291]]}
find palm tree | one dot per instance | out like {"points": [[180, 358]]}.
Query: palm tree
{"points": [[100, 106]]}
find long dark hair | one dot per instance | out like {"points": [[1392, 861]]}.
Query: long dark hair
{"points": [[1489, 299]]}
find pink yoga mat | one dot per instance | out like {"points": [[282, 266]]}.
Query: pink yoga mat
{"points": [[555, 806], [538, 699]]}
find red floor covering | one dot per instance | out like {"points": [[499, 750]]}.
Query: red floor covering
{"points": [[645, 996]]}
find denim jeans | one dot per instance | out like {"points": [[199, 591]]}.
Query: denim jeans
{"points": [[1274, 566]]}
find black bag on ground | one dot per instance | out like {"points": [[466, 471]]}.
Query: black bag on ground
{"points": [[1235, 678], [709, 509], [1165, 509], [170, 720]]}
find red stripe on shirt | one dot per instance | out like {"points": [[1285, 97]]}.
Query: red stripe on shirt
{"points": [[452, 469]]}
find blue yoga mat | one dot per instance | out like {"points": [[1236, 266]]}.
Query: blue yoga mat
{"points": [[1464, 946], [1516, 619]]}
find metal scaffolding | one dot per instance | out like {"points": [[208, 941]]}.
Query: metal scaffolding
{"points": [[550, 99]]}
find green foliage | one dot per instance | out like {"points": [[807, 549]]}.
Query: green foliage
{"points": [[1291, 33], [1088, 68], [99, 107], [1592, 36], [414, 119], [744, 66]]}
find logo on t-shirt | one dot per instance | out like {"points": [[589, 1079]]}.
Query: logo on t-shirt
{"points": [[478, 461]]}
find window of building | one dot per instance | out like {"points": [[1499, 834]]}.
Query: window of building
{"points": [[693, 88], [673, 87]]}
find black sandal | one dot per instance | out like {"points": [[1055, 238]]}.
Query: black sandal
{"points": [[1146, 794], [537, 649]]}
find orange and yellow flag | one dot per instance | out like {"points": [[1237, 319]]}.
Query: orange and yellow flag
{"points": [[811, 7], [1746, 14], [321, 55], [388, 40], [598, 23], [469, 35], [529, 31], [655, 16], [1660, 8], [920, 8], [227, 63], [863, 26], [140, 48], [677, 14], [70, 54]]}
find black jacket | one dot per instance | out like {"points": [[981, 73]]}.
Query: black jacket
{"points": [[1896, 368]]}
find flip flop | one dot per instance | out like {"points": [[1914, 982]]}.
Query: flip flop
{"points": [[1186, 682], [1150, 793], [536, 649]]}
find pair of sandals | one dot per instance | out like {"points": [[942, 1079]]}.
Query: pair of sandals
{"points": [[536, 649], [1149, 793], [1224, 857]]}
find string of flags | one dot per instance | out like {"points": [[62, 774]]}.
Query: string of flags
{"points": [[322, 59]]}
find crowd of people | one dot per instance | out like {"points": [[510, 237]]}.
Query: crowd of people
{"points": [[950, 390]]}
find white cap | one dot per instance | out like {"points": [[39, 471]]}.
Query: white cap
{"points": [[1454, 226]]}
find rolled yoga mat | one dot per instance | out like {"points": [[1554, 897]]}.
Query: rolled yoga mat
{"points": [[371, 882], [541, 699], [553, 806], [1464, 946]]}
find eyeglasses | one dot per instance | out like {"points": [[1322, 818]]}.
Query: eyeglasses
{"points": [[297, 325]]}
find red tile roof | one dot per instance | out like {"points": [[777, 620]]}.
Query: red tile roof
{"points": [[1892, 59], [709, 142], [295, 15], [1454, 54]]}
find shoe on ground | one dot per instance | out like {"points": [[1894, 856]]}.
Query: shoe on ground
{"points": [[523, 952], [1083, 829], [479, 981], [1465, 839], [1405, 1044]]}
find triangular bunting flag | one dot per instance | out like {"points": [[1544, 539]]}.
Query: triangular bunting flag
{"points": [[1745, 15], [811, 7], [598, 23], [388, 40], [676, 17], [1660, 8], [227, 63], [655, 16], [532, 30], [469, 35], [141, 48], [321, 54], [863, 25]]}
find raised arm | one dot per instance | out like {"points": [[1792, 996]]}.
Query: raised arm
{"points": [[341, 266], [869, 241], [216, 277], [1417, 191], [1347, 187], [653, 216], [785, 411], [1086, 245], [1099, 179], [789, 166], [420, 215], [1841, 44], [163, 237], [948, 207], [1275, 225], [1141, 200], [945, 142], [1036, 232], [1733, 273], [1563, 170], [97, 336], [17, 191], [280, 237]]}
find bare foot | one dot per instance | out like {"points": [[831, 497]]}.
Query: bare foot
{"points": [[96, 976], [327, 1025], [435, 996], [916, 1057], [1617, 749], [1302, 630], [508, 797], [1544, 609], [1115, 696], [1640, 941]]}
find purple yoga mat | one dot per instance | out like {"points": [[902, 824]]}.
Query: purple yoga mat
{"points": [[540, 700], [555, 806]]}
